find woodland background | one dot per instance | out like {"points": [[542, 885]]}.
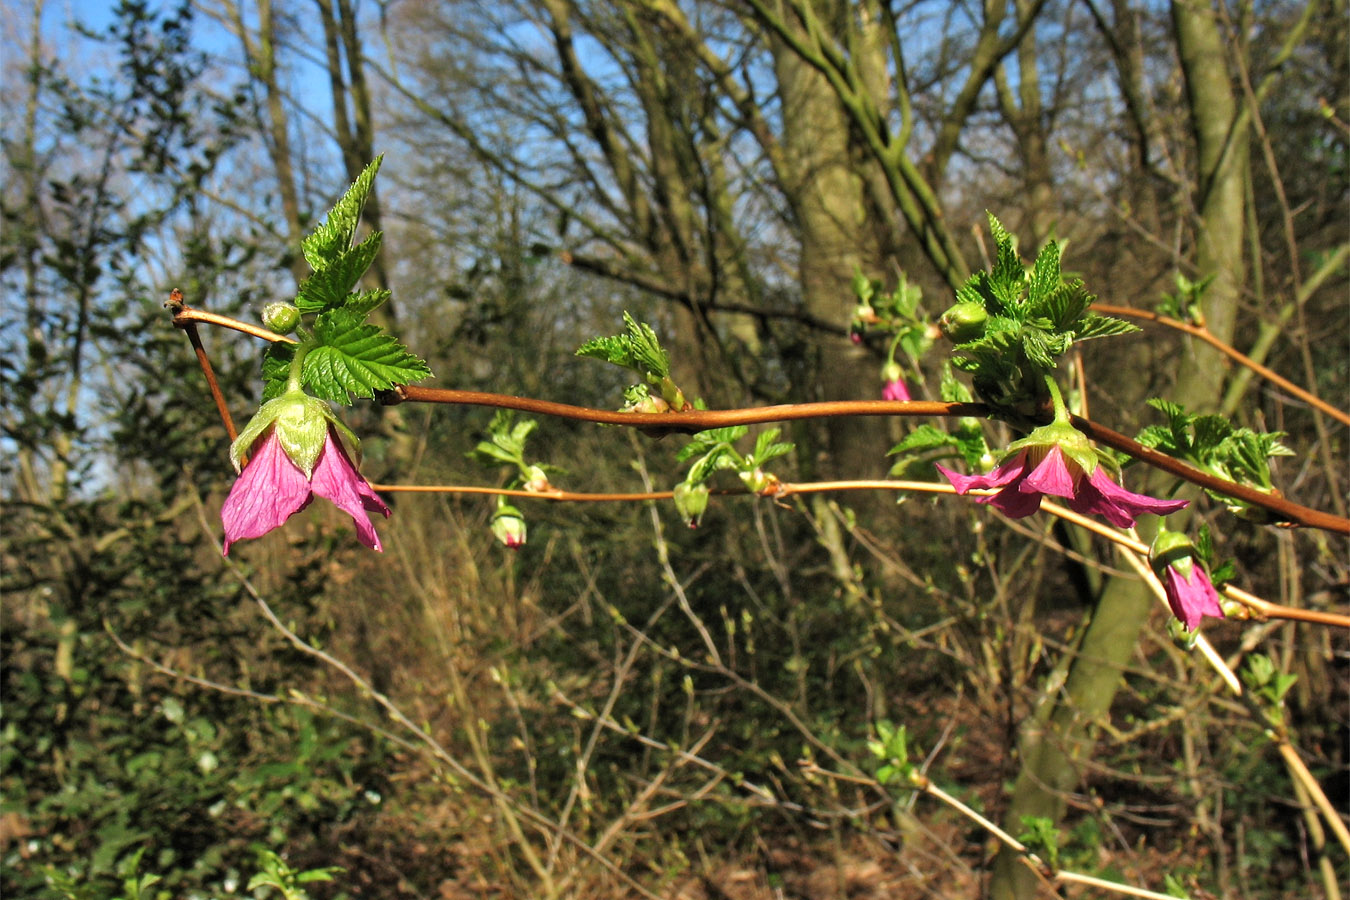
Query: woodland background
{"points": [[720, 169]]}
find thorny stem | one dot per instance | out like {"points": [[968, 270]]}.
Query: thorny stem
{"points": [[692, 421]]}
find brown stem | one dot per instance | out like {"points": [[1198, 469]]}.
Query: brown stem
{"points": [[693, 421], [1205, 335]]}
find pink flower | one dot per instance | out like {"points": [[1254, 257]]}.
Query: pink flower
{"points": [[1192, 595], [1040, 469], [272, 488], [895, 389]]}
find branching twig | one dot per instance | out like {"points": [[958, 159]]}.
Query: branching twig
{"points": [[693, 421]]}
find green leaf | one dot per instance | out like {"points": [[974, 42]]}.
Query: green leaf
{"points": [[334, 235], [924, 437], [1095, 326], [357, 359], [1044, 276], [952, 390], [276, 369], [330, 286], [1009, 274], [646, 349], [706, 440], [1066, 304], [768, 447], [367, 302], [609, 349]]}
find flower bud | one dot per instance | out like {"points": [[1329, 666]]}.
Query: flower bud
{"points": [[536, 480], [508, 526], [691, 500], [281, 318], [963, 322]]}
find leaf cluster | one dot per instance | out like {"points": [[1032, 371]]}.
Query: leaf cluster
{"points": [[345, 357], [1212, 443], [637, 348], [926, 443], [1034, 317], [715, 449]]}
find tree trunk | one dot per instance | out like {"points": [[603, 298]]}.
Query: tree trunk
{"points": [[1062, 735]]}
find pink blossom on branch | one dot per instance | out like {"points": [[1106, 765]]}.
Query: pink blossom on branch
{"points": [[272, 488], [1191, 596], [895, 389], [1190, 593], [1054, 461]]}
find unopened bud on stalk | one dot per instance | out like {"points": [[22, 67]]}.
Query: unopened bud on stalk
{"points": [[508, 526], [691, 500], [281, 318], [963, 322]]}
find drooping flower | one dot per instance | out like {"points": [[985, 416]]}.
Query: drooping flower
{"points": [[895, 387], [1057, 460], [1190, 593], [895, 390], [295, 453]]}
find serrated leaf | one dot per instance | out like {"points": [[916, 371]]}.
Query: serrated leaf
{"points": [[366, 302], [612, 349], [952, 390], [1210, 431], [357, 359], [970, 440], [924, 437], [1095, 326], [1204, 544], [646, 348], [1044, 275], [1066, 303], [768, 447], [276, 369], [1158, 437], [1009, 274], [334, 234], [706, 440], [720, 457], [330, 287]]}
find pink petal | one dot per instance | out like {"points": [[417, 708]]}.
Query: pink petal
{"points": [[1191, 598], [895, 389], [1014, 502], [1052, 476], [268, 492], [1099, 495], [336, 479], [1006, 472]]}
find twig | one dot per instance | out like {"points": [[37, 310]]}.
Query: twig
{"points": [[693, 421], [1204, 334]]}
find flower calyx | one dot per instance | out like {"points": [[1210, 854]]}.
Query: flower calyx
{"points": [[300, 423]]}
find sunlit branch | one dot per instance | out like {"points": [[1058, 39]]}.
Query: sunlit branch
{"points": [[1237, 356], [693, 421]]}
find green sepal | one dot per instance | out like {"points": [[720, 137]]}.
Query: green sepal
{"points": [[1072, 443], [1172, 549], [301, 426]]}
